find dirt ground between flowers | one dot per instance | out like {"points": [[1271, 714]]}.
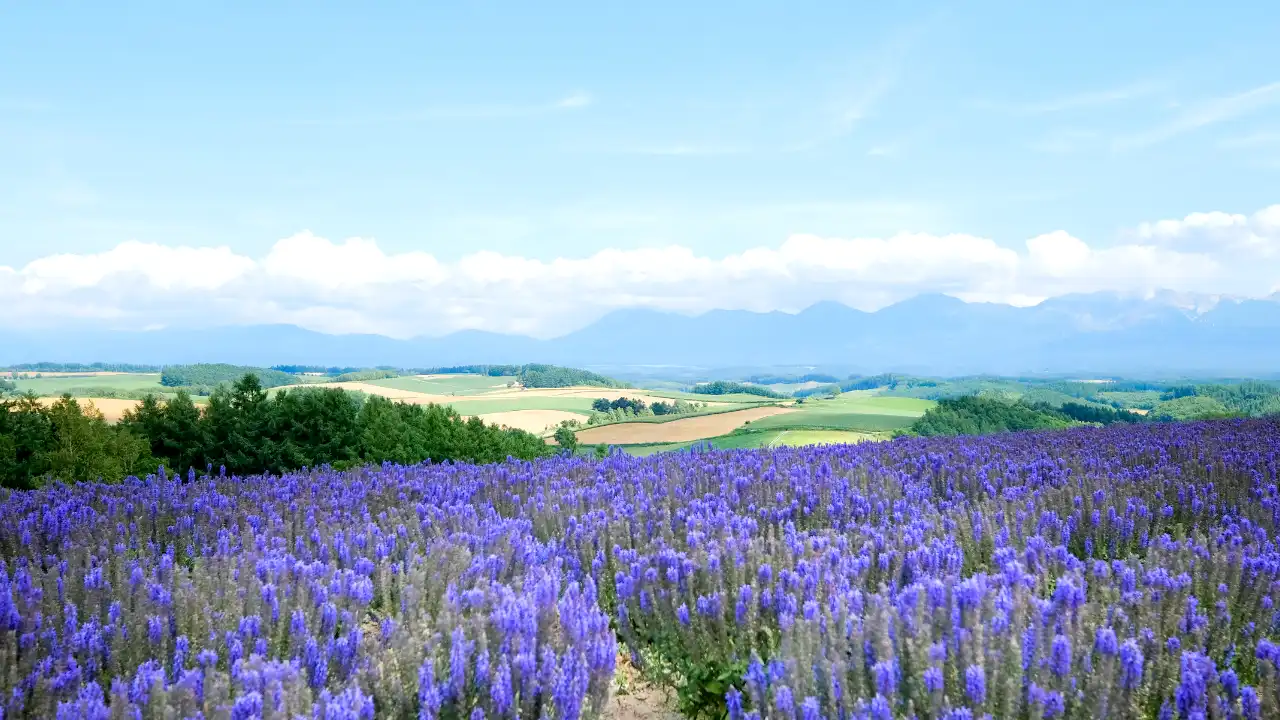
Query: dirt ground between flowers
{"points": [[635, 699], [694, 428]]}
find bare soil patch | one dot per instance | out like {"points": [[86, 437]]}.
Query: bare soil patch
{"points": [[634, 698], [113, 409], [534, 421], [408, 396], [502, 393], [584, 392], [694, 428]]}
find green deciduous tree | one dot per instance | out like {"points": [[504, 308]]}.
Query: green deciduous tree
{"points": [[566, 438]]}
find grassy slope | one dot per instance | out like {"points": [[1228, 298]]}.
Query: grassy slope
{"points": [[53, 386], [683, 416], [696, 397], [751, 439], [457, 384], [798, 438], [850, 411]]}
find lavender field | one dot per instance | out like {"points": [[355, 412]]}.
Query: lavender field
{"points": [[1127, 572]]}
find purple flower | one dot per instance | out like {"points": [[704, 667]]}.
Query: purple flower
{"points": [[809, 709], [886, 677], [1105, 641], [429, 700], [933, 679], [1230, 683], [1250, 703], [880, 708], [1131, 662], [500, 687], [1193, 688], [783, 702], [733, 703], [350, 704], [88, 705], [1060, 656], [975, 684], [155, 629], [247, 707]]}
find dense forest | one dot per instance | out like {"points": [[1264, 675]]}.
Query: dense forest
{"points": [[622, 409], [792, 379], [1162, 400], [490, 370], [976, 415], [244, 431], [885, 381], [65, 442], [331, 371], [553, 376], [724, 387], [980, 415], [208, 376], [366, 375]]}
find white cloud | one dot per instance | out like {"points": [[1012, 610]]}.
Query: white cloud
{"points": [[354, 286], [1206, 113], [161, 267], [1264, 138], [1077, 101], [575, 100], [1218, 231], [684, 150]]}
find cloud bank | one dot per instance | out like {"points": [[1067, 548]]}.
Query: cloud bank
{"points": [[354, 286]]}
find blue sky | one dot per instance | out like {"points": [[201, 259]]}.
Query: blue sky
{"points": [[544, 132]]}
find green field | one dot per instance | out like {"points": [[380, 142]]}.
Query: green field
{"points": [[788, 388], [800, 438], [54, 386], [752, 439], [872, 404], [697, 397], [851, 411], [451, 385]]}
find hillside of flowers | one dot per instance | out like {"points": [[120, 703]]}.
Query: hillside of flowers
{"points": [[1122, 572]]}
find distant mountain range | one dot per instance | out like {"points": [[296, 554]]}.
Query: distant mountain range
{"points": [[1104, 333]]}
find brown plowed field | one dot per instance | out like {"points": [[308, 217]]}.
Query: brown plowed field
{"points": [[694, 428]]}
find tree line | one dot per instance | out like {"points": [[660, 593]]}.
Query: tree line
{"points": [[792, 379], [980, 415], [553, 376], [210, 375], [84, 367], [725, 387], [243, 430], [605, 410]]}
